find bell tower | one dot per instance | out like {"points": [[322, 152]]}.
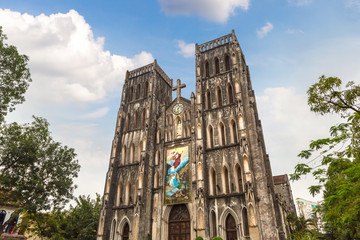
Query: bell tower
{"points": [[127, 200], [237, 173]]}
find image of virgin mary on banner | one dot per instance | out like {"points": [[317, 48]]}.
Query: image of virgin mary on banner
{"points": [[178, 175]]}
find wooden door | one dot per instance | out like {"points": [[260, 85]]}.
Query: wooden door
{"points": [[230, 228], [179, 223]]}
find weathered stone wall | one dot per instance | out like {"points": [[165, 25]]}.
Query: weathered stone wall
{"points": [[231, 172]]}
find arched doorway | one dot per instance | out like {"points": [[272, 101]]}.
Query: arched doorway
{"points": [[125, 232], [230, 228], [179, 223]]}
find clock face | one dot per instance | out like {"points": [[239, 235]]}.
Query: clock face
{"points": [[178, 108]]}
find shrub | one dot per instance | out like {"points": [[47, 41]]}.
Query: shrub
{"points": [[217, 238], [199, 238]]}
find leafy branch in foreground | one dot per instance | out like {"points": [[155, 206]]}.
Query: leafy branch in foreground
{"points": [[14, 77], [36, 173], [338, 173], [78, 222]]}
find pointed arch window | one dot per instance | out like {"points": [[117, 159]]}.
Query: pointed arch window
{"points": [[127, 122], [140, 181], [127, 194], [158, 135], [198, 128], [212, 182], [238, 177], [213, 227], [143, 118], [136, 191], [210, 137], [230, 94], [219, 97], [208, 99], [138, 91], [139, 152], [132, 153], [247, 168], [131, 90], [222, 134], [113, 230], [217, 66], [146, 90], [207, 69], [156, 180], [245, 222], [118, 195], [135, 120], [157, 157], [226, 184], [125, 232], [252, 216], [171, 120], [234, 138], [241, 123], [123, 155], [108, 182], [227, 62]]}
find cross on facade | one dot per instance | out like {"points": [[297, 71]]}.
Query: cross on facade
{"points": [[178, 88]]}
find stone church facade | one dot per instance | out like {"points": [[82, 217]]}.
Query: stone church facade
{"points": [[191, 167]]}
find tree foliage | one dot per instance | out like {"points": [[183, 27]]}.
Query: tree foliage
{"points": [[36, 172], [79, 222], [14, 77], [301, 228], [338, 173]]}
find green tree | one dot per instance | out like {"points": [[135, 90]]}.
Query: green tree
{"points": [[14, 77], [301, 228], [338, 173], [79, 222], [36, 172]]}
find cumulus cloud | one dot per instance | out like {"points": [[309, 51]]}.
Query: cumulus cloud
{"points": [[186, 49], [68, 64], [288, 128], [264, 30], [213, 10], [299, 3]]}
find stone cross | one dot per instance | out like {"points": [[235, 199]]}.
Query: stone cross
{"points": [[178, 88]]}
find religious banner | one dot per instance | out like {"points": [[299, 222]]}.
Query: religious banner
{"points": [[177, 175]]}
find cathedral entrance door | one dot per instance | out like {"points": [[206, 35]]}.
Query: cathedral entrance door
{"points": [[179, 223], [230, 228], [125, 232]]}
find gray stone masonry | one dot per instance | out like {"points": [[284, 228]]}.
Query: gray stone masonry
{"points": [[232, 189]]}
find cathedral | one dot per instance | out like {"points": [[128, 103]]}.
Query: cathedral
{"points": [[182, 168]]}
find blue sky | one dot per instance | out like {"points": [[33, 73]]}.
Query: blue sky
{"points": [[80, 50]]}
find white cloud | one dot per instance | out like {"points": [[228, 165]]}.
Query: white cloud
{"points": [[288, 128], [299, 2], [97, 113], [213, 10], [186, 49], [67, 63], [265, 30], [294, 31], [353, 4]]}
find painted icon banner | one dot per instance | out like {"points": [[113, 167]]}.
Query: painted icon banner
{"points": [[177, 175]]}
